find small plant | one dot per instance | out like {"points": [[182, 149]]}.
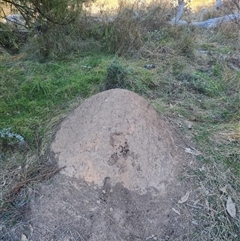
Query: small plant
{"points": [[186, 46], [116, 76], [206, 85]]}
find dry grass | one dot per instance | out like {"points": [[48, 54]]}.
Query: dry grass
{"points": [[228, 7], [126, 32], [203, 92], [13, 201], [207, 202]]}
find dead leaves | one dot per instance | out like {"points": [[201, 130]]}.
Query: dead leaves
{"points": [[184, 198], [192, 151], [231, 207], [230, 204]]}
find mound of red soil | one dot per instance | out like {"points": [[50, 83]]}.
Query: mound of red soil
{"points": [[123, 163], [117, 135]]}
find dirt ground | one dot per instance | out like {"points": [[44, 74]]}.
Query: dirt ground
{"points": [[123, 177]]}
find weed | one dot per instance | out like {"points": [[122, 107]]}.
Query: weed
{"points": [[123, 35], [186, 46], [116, 76], [206, 85]]}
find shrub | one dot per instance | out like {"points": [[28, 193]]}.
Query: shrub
{"points": [[124, 34], [12, 40], [116, 76], [61, 41], [127, 33], [52, 26]]}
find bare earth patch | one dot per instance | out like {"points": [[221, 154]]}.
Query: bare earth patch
{"points": [[124, 164]]}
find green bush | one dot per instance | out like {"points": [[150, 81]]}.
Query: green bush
{"points": [[116, 76], [12, 40]]}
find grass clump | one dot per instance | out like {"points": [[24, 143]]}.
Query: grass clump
{"points": [[31, 91], [123, 35], [116, 76]]}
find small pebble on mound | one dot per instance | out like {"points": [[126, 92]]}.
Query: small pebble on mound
{"points": [[117, 136]]}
